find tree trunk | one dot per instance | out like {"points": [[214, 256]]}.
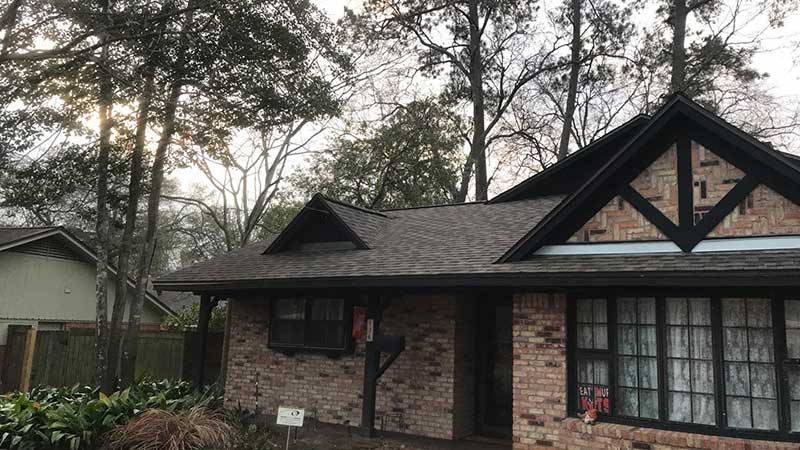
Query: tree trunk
{"points": [[126, 243], [102, 224], [476, 84], [8, 22], [572, 88], [148, 247], [678, 78]]}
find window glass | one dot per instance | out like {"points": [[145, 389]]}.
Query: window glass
{"points": [[593, 385], [290, 309], [748, 355], [637, 379], [314, 323], [592, 324], [792, 311], [690, 365], [794, 398]]}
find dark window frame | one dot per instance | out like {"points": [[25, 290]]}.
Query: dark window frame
{"points": [[782, 364], [308, 323]]}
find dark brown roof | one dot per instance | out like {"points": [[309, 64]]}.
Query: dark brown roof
{"points": [[10, 235], [428, 246], [462, 239]]}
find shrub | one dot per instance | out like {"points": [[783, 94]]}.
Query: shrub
{"points": [[155, 429], [75, 418]]}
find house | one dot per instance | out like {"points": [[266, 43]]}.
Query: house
{"points": [[47, 280], [651, 276]]}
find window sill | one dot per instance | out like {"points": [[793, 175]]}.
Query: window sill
{"points": [[677, 439]]}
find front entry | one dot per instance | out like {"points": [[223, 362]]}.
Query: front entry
{"points": [[494, 378]]}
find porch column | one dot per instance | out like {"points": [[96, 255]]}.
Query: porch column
{"points": [[372, 359], [201, 339]]}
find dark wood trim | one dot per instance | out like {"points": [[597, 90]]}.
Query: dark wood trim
{"points": [[317, 203], [721, 428], [678, 115], [204, 317], [721, 210], [656, 217], [685, 183], [555, 281], [372, 361], [520, 190]]}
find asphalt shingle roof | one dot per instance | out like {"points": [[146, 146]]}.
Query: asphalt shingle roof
{"points": [[13, 234], [457, 240]]}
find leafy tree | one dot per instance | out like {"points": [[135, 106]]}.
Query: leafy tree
{"points": [[411, 159], [186, 319], [483, 46]]}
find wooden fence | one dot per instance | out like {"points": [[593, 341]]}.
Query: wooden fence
{"points": [[65, 358]]}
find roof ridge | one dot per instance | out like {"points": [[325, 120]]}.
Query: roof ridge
{"points": [[435, 206], [348, 205]]}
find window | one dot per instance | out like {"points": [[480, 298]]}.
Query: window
{"points": [[725, 363], [637, 379], [310, 323]]}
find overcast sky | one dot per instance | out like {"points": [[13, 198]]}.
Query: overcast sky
{"points": [[778, 55]]}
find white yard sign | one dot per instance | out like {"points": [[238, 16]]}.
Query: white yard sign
{"points": [[292, 417]]}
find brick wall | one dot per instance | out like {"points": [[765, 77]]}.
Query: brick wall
{"points": [[764, 212], [617, 221], [540, 397], [421, 386], [658, 183]]}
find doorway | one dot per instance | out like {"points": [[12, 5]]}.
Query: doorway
{"points": [[494, 377]]}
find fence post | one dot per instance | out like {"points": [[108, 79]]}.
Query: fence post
{"points": [[27, 359]]}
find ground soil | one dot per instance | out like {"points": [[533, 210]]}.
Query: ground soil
{"points": [[316, 436]]}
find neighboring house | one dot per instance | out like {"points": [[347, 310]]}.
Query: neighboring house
{"points": [[654, 276], [47, 279]]}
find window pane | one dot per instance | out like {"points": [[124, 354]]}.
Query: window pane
{"points": [[794, 397], [592, 324], [678, 342], [792, 313], [680, 407], [765, 414], [290, 309], [733, 312], [739, 412], [750, 384], [700, 311], [704, 409], [637, 367], [593, 385], [628, 402], [677, 313], [678, 375], [327, 309], [703, 377], [690, 366], [648, 404]]}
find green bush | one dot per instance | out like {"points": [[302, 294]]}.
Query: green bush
{"points": [[75, 418]]}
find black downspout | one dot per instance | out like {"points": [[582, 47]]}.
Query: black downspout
{"points": [[372, 361]]}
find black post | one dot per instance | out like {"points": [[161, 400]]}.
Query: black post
{"points": [[372, 360], [201, 342]]}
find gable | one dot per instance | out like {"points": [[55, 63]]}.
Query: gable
{"points": [[688, 177], [325, 224]]}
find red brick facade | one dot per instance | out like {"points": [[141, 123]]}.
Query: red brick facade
{"points": [[540, 397], [427, 391], [763, 213]]}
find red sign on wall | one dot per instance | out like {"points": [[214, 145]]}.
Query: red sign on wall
{"points": [[593, 396], [359, 318]]}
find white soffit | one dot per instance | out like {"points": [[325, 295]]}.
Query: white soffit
{"points": [[704, 246]]}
